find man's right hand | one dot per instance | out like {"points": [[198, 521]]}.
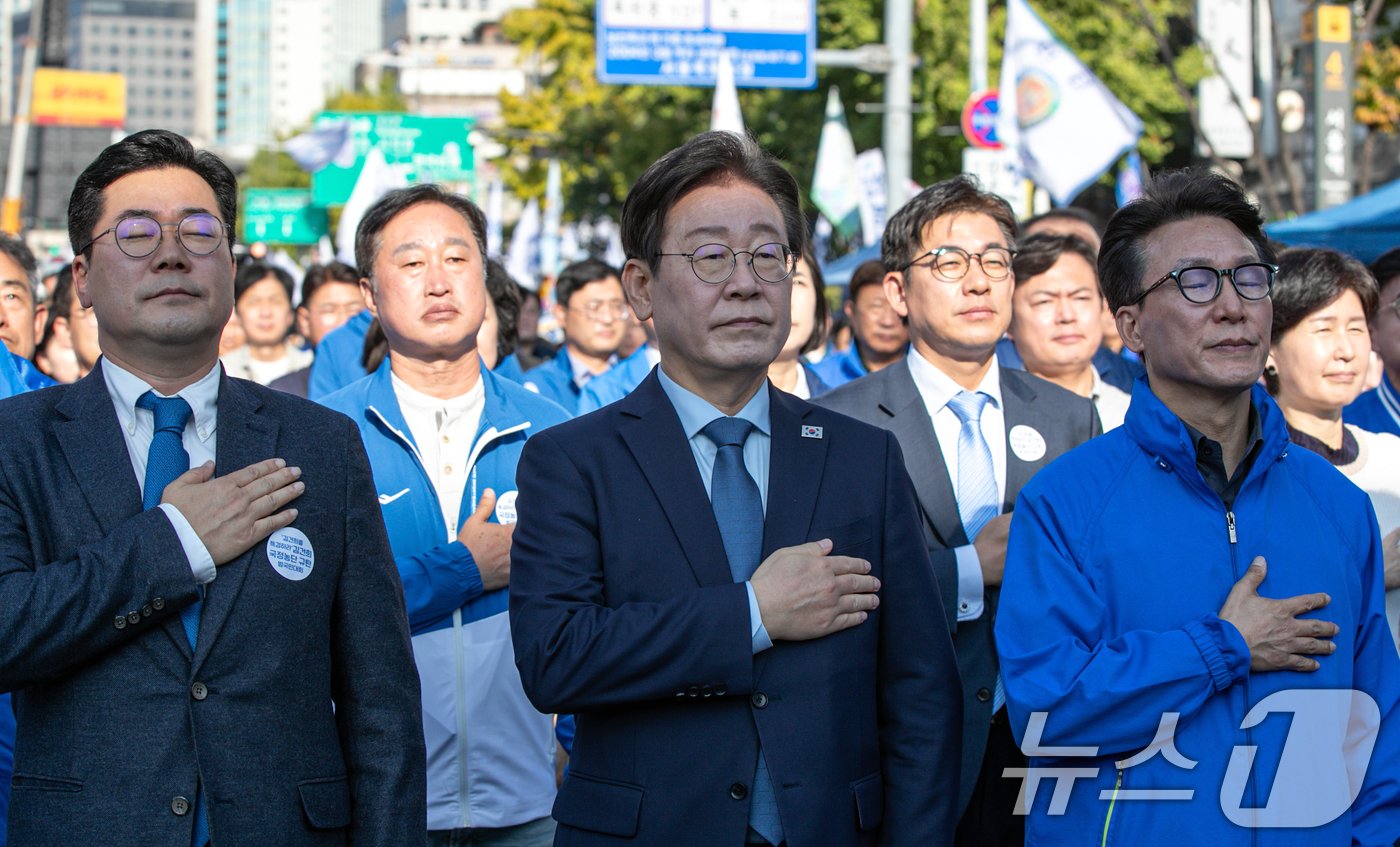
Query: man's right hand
{"points": [[1277, 638], [488, 542], [991, 548], [803, 593], [233, 512]]}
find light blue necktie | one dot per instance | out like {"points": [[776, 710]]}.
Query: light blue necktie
{"points": [[978, 501], [738, 508], [165, 461]]}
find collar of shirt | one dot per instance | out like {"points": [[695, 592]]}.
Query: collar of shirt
{"points": [[695, 411], [451, 407], [937, 388], [126, 388], [582, 374], [1210, 459]]}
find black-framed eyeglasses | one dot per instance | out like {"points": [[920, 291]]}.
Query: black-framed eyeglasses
{"points": [[139, 236], [953, 263], [1198, 284], [714, 263]]}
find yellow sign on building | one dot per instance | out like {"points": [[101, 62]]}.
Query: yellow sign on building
{"points": [[78, 98], [1334, 24]]}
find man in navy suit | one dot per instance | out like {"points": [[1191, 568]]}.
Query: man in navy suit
{"points": [[725, 584], [213, 656]]}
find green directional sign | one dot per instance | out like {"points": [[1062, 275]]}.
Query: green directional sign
{"points": [[429, 149], [282, 216]]}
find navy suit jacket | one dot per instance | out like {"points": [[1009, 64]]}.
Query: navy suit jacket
{"points": [[623, 611], [890, 400], [299, 709]]}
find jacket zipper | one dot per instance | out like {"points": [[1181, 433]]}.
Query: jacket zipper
{"points": [[1249, 732], [1117, 784]]}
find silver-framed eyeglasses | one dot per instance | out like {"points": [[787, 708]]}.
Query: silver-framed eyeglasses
{"points": [[599, 310], [138, 236], [1199, 284], [953, 263], [714, 263]]}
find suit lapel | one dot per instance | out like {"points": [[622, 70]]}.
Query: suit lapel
{"points": [[1017, 397], [923, 457], [662, 451], [795, 466], [243, 437], [87, 438]]}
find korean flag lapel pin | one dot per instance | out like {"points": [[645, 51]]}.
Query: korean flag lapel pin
{"points": [[809, 431]]}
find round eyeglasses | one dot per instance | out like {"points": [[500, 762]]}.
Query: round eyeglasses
{"points": [[139, 236], [1252, 281], [714, 263], [953, 263]]}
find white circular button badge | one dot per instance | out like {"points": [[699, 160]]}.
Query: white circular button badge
{"points": [[505, 507], [1026, 443], [290, 554]]}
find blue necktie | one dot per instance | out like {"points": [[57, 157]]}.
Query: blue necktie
{"points": [[738, 509], [978, 501], [166, 460]]}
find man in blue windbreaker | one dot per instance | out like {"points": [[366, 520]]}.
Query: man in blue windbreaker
{"points": [[443, 436], [1192, 627]]}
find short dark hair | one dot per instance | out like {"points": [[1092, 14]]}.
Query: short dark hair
{"points": [[319, 275], [1170, 197], [391, 205], [961, 195], [151, 149], [1310, 278], [504, 292], [60, 302], [822, 310], [1387, 267], [1038, 253], [255, 272], [867, 273], [711, 158], [577, 275], [14, 247], [1066, 213]]}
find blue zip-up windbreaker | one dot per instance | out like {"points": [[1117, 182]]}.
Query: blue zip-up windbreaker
{"points": [[490, 754], [1120, 558]]}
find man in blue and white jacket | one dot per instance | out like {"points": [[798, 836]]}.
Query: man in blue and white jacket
{"points": [[443, 436], [1192, 612]]}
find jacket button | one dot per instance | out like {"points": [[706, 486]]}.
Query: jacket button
{"points": [[738, 791], [707, 691], [199, 691], [120, 622], [759, 700], [146, 610], [693, 691], [133, 616], [983, 695], [720, 691], [180, 805], [158, 603]]}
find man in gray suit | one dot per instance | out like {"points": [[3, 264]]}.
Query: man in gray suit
{"points": [[202, 623], [972, 434]]}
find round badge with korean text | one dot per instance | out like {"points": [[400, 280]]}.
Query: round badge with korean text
{"points": [[290, 554], [1026, 443], [505, 507]]}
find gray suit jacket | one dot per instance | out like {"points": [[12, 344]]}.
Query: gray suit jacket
{"points": [[889, 399], [299, 708]]}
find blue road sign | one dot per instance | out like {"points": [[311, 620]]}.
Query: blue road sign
{"points": [[772, 43], [979, 120]]}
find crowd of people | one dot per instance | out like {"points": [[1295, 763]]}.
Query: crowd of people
{"points": [[1065, 509]]}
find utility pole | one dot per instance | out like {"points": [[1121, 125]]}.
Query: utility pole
{"points": [[977, 44], [899, 125]]}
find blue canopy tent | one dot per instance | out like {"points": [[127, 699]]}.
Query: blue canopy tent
{"points": [[838, 272], [1365, 227]]}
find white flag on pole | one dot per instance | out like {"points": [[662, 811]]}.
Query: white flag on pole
{"points": [[870, 167], [523, 258], [495, 205], [331, 142], [725, 114], [376, 179], [553, 218], [835, 184], [1065, 123]]}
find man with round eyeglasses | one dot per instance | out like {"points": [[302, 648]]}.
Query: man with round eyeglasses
{"points": [[1193, 612], [204, 630], [590, 308], [724, 584]]}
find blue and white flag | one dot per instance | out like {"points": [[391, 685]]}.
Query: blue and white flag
{"points": [[553, 218], [835, 183], [523, 258], [331, 142], [495, 206], [1129, 187], [1065, 123]]}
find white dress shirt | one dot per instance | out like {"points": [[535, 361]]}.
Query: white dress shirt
{"points": [[1110, 402], [696, 413], [139, 427], [937, 388], [443, 431]]}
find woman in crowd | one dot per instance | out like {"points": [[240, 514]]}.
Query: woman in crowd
{"points": [[1321, 346], [790, 371]]}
